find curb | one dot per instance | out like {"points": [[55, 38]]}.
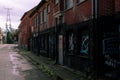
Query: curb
{"points": [[51, 71]]}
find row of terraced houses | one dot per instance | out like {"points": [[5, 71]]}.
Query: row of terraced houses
{"points": [[81, 34]]}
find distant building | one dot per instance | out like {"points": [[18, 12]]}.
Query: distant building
{"points": [[1, 36]]}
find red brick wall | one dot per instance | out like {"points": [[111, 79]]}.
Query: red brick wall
{"points": [[84, 11], [41, 9], [106, 7], [80, 12], [69, 17], [33, 22], [56, 8], [117, 5], [20, 35], [50, 20], [28, 27], [50, 14], [25, 30]]}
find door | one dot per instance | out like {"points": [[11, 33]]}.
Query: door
{"points": [[60, 58]]}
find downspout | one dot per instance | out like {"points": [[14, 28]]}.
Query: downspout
{"points": [[94, 9], [93, 38], [92, 52]]}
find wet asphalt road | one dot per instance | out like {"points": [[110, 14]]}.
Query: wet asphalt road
{"points": [[15, 67]]}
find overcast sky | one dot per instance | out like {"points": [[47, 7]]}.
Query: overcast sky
{"points": [[18, 8]]}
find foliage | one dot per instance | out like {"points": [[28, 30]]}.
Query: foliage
{"points": [[9, 38], [12, 36]]}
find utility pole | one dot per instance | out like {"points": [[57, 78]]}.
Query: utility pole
{"points": [[8, 22], [8, 19]]}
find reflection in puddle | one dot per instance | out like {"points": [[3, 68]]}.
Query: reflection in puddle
{"points": [[19, 64], [15, 68]]}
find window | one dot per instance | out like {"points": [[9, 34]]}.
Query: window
{"points": [[48, 8], [79, 1], [41, 17], [84, 43], [37, 23], [45, 15], [68, 3], [56, 1]]}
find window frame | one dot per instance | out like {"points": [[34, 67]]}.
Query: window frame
{"points": [[68, 4], [48, 8], [56, 1], [37, 20], [41, 17], [45, 14], [80, 1]]}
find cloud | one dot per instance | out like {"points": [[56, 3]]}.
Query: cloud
{"points": [[18, 8]]}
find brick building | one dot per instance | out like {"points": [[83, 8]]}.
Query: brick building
{"points": [[80, 34], [25, 30]]}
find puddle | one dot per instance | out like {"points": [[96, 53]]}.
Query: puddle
{"points": [[15, 67], [15, 70], [19, 64]]}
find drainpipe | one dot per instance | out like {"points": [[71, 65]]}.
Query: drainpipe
{"points": [[94, 37], [92, 52], [93, 9], [96, 8]]}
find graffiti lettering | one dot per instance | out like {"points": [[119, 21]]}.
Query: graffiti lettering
{"points": [[110, 49], [110, 62], [110, 45]]}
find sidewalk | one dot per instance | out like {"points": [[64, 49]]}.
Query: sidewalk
{"points": [[2, 45], [57, 72]]}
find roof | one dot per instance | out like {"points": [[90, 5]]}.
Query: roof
{"points": [[37, 7], [28, 12]]}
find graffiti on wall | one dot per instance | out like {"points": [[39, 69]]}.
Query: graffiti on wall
{"points": [[85, 44], [71, 44], [111, 53], [110, 46]]}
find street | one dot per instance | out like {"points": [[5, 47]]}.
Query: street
{"points": [[13, 66]]}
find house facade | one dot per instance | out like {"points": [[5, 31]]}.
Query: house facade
{"points": [[80, 34], [25, 30]]}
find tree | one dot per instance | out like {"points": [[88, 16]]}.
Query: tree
{"points": [[12, 36], [9, 38]]}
